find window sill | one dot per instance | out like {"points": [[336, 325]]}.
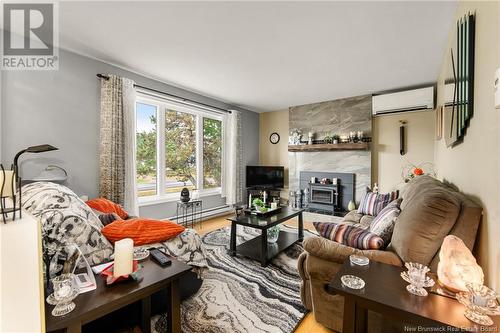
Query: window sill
{"points": [[173, 197]]}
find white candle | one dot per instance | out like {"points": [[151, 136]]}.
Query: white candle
{"points": [[250, 201], [264, 196], [9, 185], [124, 256]]}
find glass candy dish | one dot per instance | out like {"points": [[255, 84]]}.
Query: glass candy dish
{"points": [[480, 303], [65, 291], [417, 277], [359, 260], [429, 282], [139, 254], [352, 281]]}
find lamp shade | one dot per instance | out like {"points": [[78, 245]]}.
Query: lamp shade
{"points": [[7, 183], [457, 266], [40, 148], [32, 149]]}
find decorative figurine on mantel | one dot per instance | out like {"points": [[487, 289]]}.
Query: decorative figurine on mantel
{"points": [[325, 181], [310, 135], [328, 138], [295, 137]]}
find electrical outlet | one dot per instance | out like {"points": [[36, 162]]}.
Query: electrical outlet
{"points": [[497, 89]]}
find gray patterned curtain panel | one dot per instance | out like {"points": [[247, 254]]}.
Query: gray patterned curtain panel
{"points": [[117, 142]]}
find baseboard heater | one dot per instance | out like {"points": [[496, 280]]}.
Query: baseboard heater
{"points": [[207, 213]]}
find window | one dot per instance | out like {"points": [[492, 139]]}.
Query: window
{"points": [[212, 153], [146, 149], [180, 151], [177, 146]]}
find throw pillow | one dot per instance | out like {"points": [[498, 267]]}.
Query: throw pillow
{"points": [[106, 218], [142, 231], [383, 223], [65, 219], [107, 206], [373, 203], [349, 235]]}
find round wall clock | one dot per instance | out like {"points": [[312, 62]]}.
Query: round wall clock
{"points": [[274, 138]]}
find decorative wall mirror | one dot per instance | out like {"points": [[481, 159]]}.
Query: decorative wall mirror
{"points": [[459, 82]]}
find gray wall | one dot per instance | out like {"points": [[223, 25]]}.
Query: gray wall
{"points": [[62, 108]]}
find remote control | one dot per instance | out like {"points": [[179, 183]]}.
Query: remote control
{"points": [[160, 258]]}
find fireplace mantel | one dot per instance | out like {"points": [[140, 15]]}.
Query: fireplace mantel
{"points": [[328, 147]]}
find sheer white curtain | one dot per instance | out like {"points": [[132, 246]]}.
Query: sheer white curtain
{"points": [[233, 180], [117, 143], [130, 201]]}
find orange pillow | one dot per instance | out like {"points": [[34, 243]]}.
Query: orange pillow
{"points": [[142, 231], [107, 206]]}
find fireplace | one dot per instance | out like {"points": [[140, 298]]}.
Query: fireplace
{"points": [[325, 194], [328, 199]]}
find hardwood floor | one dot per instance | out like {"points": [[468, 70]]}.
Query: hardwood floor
{"points": [[308, 324]]}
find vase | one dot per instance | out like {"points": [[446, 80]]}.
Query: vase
{"points": [[273, 233], [351, 205]]}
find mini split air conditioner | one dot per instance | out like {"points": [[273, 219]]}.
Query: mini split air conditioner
{"points": [[404, 101]]}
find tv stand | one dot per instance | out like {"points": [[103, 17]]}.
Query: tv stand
{"points": [[257, 192]]}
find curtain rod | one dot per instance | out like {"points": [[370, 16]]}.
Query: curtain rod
{"points": [[183, 99]]}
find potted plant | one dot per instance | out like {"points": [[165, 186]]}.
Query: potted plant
{"points": [[328, 138], [336, 139], [259, 205]]}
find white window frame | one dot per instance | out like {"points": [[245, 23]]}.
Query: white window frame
{"points": [[161, 106]]}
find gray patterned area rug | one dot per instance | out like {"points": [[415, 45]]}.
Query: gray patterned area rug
{"points": [[238, 295]]}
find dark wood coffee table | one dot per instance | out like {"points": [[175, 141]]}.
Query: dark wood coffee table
{"points": [[106, 299], [385, 293], [258, 248]]}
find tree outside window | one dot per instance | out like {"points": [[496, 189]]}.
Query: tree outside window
{"points": [[212, 153], [180, 151], [146, 149], [173, 154]]}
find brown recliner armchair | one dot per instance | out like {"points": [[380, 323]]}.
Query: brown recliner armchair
{"points": [[430, 210]]}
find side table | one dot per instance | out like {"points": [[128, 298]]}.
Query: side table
{"points": [[189, 212], [106, 299], [385, 293]]}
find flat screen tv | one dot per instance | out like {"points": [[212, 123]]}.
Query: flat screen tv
{"points": [[266, 176]]}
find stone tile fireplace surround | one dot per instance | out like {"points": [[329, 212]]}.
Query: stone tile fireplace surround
{"points": [[326, 198], [333, 117]]}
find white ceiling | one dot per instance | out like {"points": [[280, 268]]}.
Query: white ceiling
{"points": [[266, 55]]}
